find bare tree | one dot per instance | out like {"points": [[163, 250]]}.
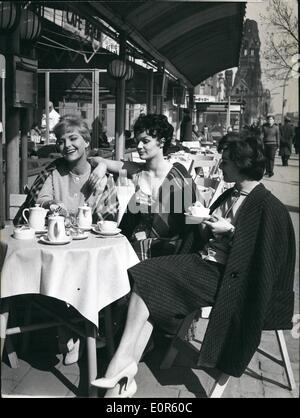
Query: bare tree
{"points": [[281, 48]]}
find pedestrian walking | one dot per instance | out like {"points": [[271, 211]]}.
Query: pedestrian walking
{"points": [[270, 136], [286, 140]]}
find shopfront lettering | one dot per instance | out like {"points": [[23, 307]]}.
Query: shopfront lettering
{"points": [[74, 20], [82, 27]]}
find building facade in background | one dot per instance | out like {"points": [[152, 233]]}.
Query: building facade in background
{"points": [[248, 85]]}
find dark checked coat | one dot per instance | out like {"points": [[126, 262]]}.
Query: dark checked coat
{"points": [[256, 292], [107, 204], [165, 229]]}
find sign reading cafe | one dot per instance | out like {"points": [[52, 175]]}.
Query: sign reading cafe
{"points": [[74, 23]]}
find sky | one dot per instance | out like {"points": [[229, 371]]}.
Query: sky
{"points": [[254, 11]]}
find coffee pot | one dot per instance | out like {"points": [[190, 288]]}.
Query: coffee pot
{"points": [[37, 216], [84, 216]]}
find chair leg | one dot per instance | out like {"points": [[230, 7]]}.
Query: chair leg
{"points": [[286, 359], [219, 386], [26, 335], [169, 358], [11, 353], [6, 340], [109, 333], [172, 352]]}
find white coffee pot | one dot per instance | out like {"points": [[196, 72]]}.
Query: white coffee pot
{"points": [[84, 216], [56, 228], [37, 216]]}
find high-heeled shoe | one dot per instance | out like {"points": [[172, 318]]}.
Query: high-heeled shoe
{"points": [[122, 378], [119, 392], [74, 354]]}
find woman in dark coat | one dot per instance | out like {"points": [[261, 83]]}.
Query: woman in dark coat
{"points": [[244, 268]]}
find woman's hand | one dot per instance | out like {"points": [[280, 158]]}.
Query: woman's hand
{"points": [[219, 225], [98, 174], [58, 207]]}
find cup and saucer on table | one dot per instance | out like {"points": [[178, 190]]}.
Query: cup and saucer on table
{"points": [[23, 232], [107, 229], [56, 232]]}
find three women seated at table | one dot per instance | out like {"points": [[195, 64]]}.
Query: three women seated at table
{"points": [[154, 221], [156, 225], [244, 268]]}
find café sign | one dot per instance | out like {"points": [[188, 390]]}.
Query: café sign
{"points": [[74, 23]]}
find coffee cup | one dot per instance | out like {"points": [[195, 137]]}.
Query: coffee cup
{"points": [[56, 228], [199, 211], [107, 226]]}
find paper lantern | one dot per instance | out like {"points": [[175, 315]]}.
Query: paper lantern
{"points": [[179, 94], [117, 68], [8, 15], [129, 73], [30, 26]]}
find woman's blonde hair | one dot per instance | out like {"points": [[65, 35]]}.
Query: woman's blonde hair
{"points": [[69, 122]]}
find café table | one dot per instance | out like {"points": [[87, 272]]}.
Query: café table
{"points": [[87, 274]]}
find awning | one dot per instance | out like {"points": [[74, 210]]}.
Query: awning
{"points": [[194, 39]]}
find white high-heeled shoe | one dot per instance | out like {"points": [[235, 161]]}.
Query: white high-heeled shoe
{"points": [[117, 391], [74, 354], [123, 377]]}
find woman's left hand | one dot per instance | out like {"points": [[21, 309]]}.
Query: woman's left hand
{"points": [[219, 225]]}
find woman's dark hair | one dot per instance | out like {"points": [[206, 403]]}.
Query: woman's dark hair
{"points": [[70, 122], [156, 126], [247, 153]]}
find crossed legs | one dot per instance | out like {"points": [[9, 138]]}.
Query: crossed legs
{"points": [[135, 337]]}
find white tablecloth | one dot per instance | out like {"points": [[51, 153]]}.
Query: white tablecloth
{"points": [[87, 274]]}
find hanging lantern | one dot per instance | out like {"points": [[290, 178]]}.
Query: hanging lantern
{"points": [[117, 68], [30, 26], [129, 73], [8, 15], [179, 95]]}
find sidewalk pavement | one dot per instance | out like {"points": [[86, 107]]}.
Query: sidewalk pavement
{"points": [[42, 374]]}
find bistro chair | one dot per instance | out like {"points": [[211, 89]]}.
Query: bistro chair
{"points": [[191, 144], [182, 343], [204, 165], [15, 201]]}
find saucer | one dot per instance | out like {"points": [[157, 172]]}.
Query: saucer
{"points": [[80, 236], [45, 240], [191, 219], [41, 231], [106, 234]]}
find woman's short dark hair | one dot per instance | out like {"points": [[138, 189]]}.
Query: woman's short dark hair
{"points": [[70, 122], [156, 126], [246, 151]]}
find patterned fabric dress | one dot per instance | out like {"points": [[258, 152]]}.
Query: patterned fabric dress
{"points": [[157, 227]]}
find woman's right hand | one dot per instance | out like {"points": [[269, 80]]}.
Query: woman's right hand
{"points": [[98, 173], [58, 207]]}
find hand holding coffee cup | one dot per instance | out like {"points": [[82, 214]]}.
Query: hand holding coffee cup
{"points": [[197, 213]]}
